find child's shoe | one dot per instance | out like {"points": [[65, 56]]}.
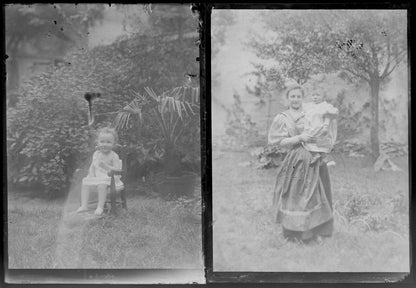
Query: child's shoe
{"points": [[99, 211], [82, 209], [327, 159], [331, 163]]}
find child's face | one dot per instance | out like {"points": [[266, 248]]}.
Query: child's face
{"points": [[317, 98], [106, 142]]}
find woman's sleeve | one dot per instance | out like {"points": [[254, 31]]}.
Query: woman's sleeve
{"points": [[278, 130]]}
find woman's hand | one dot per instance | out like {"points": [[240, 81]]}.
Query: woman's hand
{"points": [[306, 138]]}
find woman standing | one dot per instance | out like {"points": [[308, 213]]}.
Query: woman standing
{"points": [[302, 196]]}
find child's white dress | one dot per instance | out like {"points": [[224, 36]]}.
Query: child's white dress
{"points": [[314, 122], [101, 174]]}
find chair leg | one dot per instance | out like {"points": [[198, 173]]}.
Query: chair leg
{"points": [[123, 198], [113, 196]]}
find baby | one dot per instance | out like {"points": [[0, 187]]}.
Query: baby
{"points": [[320, 123], [103, 161]]}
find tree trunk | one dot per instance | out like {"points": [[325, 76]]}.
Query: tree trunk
{"points": [[374, 132]]}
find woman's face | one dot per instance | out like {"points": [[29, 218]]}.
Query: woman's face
{"points": [[295, 98]]}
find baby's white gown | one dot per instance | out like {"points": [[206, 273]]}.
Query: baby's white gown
{"points": [[314, 121], [101, 174]]}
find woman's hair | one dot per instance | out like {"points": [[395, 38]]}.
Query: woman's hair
{"points": [[108, 130], [293, 87]]}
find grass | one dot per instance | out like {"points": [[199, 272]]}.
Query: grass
{"points": [[153, 233], [371, 220], [32, 231]]}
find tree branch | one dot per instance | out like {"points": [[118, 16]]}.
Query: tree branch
{"points": [[357, 75], [398, 61], [362, 65], [388, 59], [374, 56]]}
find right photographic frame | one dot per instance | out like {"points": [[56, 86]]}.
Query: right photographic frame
{"points": [[310, 144]]}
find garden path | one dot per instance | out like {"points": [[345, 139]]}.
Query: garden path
{"points": [[71, 229]]}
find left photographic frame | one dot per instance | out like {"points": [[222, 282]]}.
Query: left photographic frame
{"points": [[103, 108]]}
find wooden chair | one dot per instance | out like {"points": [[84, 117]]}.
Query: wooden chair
{"points": [[112, 191]]}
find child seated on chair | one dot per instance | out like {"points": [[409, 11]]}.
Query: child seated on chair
{"points": [[320, 122], [103, 161]]}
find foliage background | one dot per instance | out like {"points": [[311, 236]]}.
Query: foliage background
{"points": [[47, 134], [259, 81]]}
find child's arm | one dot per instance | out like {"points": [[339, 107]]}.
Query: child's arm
{"points": [[114, 163], [331, 112], [91, 170]]}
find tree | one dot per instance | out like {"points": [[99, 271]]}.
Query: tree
{"points": [[371, 47], [365, 45], [172, 23]]}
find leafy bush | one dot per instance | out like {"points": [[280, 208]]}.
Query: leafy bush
{"points": [[240, 132], [47, 136], [270, 156], [350, 120], [168, 125], [372, 214]]}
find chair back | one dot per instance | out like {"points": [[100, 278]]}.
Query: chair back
{"points": [[121, 151]]}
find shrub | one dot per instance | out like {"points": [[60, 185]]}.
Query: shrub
{"points": [[374, 214], [169, 122], [270, 156], [350, 121], [47, 136], [240, 131]]}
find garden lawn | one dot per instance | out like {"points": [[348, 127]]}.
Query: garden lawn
{"points": [[153, 233], [371, 220]]}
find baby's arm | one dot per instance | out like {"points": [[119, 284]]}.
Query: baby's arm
{"points": [[114, 163], [331, 111], [91, 170]]}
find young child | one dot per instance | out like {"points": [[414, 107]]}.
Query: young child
{"points": [[103, 160], [320, 123]]}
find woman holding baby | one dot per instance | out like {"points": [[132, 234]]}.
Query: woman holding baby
{"points": [[302, 196]]}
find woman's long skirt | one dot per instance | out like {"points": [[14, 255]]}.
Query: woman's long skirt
{"points": [[302, 196]]}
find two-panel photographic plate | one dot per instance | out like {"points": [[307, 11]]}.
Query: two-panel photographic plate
{"points": [[205, 143]]}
